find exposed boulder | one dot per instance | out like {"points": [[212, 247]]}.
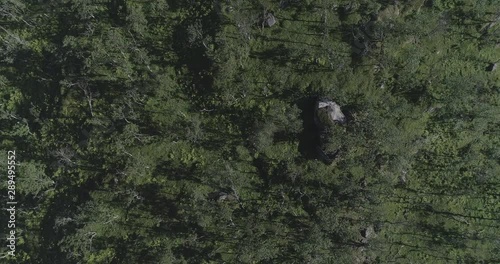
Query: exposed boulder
{"points": [[328, 112], [222, 196], [268, 20], [492, 67], [367, 233], [327, 117]]}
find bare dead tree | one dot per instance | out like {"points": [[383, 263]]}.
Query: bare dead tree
{"points": [[14, 10], [84, 86], [65, 156], [91, 237], [89, 95]]}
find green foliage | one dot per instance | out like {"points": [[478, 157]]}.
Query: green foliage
{"points": [[183, 131]]}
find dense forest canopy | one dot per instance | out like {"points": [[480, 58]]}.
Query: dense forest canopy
{"points": [[181, 131]]}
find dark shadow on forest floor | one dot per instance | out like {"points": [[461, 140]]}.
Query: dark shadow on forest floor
{"points": [[309, 138]]}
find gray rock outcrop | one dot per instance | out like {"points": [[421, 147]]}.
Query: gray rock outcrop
{"points": [[268, 20]]}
